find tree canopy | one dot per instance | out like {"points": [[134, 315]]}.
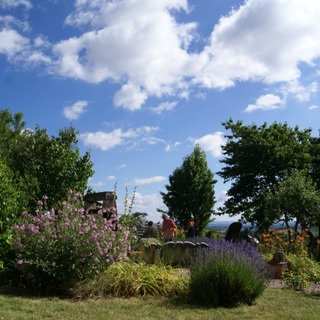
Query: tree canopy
{"points": [[296, 198], [190, 192], [43, 165], [10, 198], [259, 157]]}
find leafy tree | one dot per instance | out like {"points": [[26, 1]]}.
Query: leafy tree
{"points": [[44, 165], [11, 127], [256, 159], [10, 198], [135, 219], [315, 154], [190, 192], [296, 198]]}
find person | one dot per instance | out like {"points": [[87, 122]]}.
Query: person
{"points": [[168, 228], [191, 232], [150, 232]]}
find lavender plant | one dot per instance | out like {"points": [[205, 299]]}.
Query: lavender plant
{"points": [[227, 274], [58, 249]]}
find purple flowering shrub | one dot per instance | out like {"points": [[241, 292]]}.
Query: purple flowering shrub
{"points": [[227, 274], [58, 249]]}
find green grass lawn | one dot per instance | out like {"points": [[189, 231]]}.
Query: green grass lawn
{"points": [[273, 304]]}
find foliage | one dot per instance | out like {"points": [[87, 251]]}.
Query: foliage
{"points": [[212, 234], [256, 159], [130, 279], [296, 198], [60, 248], [43, 165], [10, 198], [302, 271], [227, 274], [190, 192], [11, 126], [303, 268], [7, 258]]}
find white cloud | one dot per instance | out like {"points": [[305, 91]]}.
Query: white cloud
{"points": [[142, 47], [145, 203], [74, 111], [169, 147], [313, 107], [262, 41], [266, 102], [7, 4], [165, 106], [109, 178], [11, 22], [211, 143], [144, 181], [299, 91], [108, 140], [222, 198], [130, 97], [11, 42], [129, 42]]}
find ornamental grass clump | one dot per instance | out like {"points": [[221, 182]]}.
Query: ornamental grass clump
{"points": [[227, 274], [58, 249], [131, 279]]}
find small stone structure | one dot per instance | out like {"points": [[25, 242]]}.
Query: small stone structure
{"points": [[142, 228], [100, 201], [178, 253], [279, 264]]}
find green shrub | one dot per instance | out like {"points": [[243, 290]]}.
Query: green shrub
{"points": [[7, 259], [227, 274], [10, 199], [302, 271], [130, 279]]}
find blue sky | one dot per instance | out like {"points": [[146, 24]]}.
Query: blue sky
{"points": [[144, 80]]}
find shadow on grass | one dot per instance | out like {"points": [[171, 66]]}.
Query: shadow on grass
{"points": [[23, 292]]}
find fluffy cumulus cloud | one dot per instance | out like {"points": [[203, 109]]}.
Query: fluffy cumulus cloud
{"points": [[137, 40], [108, 140], [142, 46], [130, 97], [266, 102], [211, 143], [146, 203], [262, 41], [74, 111], [141, 43], [11, 42]]}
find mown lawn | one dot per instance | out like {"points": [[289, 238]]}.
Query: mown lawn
{"points": [[273, 304]]}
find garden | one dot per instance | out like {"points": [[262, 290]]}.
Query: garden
{"points": [[71, 258], [67, 263]]}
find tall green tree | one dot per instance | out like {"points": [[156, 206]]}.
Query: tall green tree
{"points": [[190, 192], [256, 159], [44, 165]]}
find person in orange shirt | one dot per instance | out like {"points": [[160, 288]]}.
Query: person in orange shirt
{"points": [[168, 228]]}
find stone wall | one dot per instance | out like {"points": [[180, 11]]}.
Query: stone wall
{"points": [[179, 253]]}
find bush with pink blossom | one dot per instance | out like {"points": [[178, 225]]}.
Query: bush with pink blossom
{"points": [[56, 249]]}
